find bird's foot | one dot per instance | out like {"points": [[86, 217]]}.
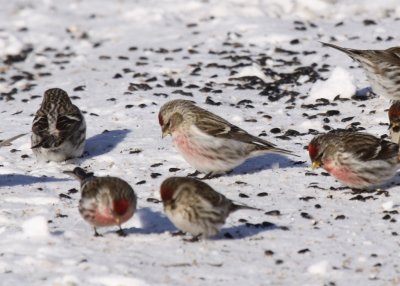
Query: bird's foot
{"points": [[195, 238], [211, 175], [194, 174], [177, 233], [121, 232], [96, 234]]}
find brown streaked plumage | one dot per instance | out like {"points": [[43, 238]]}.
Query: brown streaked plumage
{"points": [[194, 207], [208, 142], [356, 159], [105, 201], [382, 68], [58, 129]]}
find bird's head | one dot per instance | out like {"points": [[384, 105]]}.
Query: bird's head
{"points": [[168, 188], [316, 151], [171, 115], [394, 116]]}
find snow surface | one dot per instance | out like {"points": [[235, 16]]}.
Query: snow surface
{"points": [[253, 62]]}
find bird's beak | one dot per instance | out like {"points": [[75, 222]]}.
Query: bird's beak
{"points": [[394, 126], [316, 165], [118, 220], [165, 132]]}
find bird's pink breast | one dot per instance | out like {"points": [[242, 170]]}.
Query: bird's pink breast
{"points": [[344, 174], [195, 154], [107, 218]]}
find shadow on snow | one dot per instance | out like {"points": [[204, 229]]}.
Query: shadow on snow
{"points": [[17, 179], [103, 143], [154, 222]]}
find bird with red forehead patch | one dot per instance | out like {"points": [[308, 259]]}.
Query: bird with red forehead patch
{"points": [[196, 208], [382, 68], [358, 160], [105, 201], [394, 119], [208, 142]]}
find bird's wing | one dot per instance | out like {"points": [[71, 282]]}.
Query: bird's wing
{"points": [[216, 126], [208, 194], [66, 124], [367, 147]]}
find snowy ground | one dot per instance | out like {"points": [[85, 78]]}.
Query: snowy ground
{"points": [[260, 65]]}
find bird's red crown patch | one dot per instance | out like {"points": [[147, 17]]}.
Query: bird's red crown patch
{"points": [[312, 150], [166, 193], [120, 206], [160, 120]]}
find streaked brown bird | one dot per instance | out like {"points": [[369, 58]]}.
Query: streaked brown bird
{"points": [[194, 207], [358, 160], [58, 129], [382, 68], [105, 201], [208, 142]]}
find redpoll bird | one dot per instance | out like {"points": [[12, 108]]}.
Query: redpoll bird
{"points": [[358, 160], [195, 207], [105, 201], [394, 119], [382, 68], [7, 142], [208, 142], [59, 129]]}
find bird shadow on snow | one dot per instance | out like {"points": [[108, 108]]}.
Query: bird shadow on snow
{"points": [[246, 230], [264, 162], [152, 222], [104, 142], [16, 179]]}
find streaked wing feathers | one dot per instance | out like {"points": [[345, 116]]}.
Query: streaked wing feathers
{"points": [[220, 128], [367, 147]]}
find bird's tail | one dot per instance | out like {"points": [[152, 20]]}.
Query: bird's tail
{"points": [[261, 150], [283, 151], [7, 142], [354, 54], [235, 207], [79, 174]]}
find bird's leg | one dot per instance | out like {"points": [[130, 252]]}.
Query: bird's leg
{"points": [[211, 175], [96, 234], [195, 238], [194, 174], [121, 232], [177, 233]]}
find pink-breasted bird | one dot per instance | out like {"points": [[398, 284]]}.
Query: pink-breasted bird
{"points": [[358, 160], [208, 142], [194, 207], [105, 201]]}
